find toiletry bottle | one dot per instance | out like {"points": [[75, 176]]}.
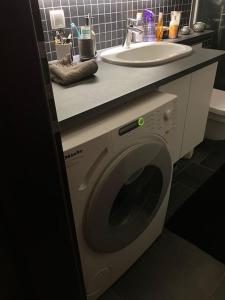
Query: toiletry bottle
{"points": [[85, 31], [173, 29], [87, 40], [88, 22], [159, 29], [149, 25], [174, 24], [138, 37]]}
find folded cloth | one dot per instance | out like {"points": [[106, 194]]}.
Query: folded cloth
{"points": [[64, 72]]}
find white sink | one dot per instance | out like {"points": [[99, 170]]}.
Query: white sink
{"points": [[146, 54]]}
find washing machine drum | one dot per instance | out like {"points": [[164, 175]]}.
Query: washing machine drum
{"points": [[128, 195]]}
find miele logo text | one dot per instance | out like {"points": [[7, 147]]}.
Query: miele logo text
{"points": [[78, 152]]}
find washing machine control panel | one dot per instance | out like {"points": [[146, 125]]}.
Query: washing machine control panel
{"points": [[131, 126], [168, 114], [161, 120]]}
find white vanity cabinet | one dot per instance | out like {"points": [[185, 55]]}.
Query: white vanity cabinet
{"points": [[194, 94], [179, 87]]}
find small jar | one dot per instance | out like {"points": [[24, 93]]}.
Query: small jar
{"points": [[199, 27], [185, 30]]}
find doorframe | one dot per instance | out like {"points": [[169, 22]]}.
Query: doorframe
{"points": [[36, 214]]}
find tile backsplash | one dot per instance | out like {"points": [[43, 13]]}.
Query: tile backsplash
{"points": [[110, 17]]}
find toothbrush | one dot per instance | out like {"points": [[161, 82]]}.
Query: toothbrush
{"points": [[68, 39], [59, 37], [73, 26]]}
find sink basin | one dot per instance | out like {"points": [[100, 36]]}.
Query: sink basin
{"points": [[146, 54]]}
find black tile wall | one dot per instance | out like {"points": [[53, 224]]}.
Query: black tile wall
{"points": [[109, 17]]}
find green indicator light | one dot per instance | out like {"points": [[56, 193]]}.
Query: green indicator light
{"points": [[141, 121]]}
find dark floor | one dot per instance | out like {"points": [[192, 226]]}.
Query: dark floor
{"points": [[190, 175], [174, 269], [200, 220]]}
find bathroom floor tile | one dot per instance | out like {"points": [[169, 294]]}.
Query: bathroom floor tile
{"points": [[202, 151], [215, 159], [178, 195], [172, 269], [194, 175], [201, 220], [180, 167]]}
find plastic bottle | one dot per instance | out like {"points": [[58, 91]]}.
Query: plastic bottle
{"points": [[173, 30], [87, 31], [174, 24], [138, 37], [87, 40], [159, 29], [149, 25]]}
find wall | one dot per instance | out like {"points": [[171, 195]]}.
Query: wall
{"points": [[109, 17]]}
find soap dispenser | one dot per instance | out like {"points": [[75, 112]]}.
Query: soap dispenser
{"points": [[87, 40], [149, 25], [88, 22]]}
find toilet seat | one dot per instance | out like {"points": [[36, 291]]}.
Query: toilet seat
{"points": [[217, 105]]}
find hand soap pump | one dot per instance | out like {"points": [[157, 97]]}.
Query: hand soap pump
{"points": [[149, 25], [88, 22], [87, 40]]}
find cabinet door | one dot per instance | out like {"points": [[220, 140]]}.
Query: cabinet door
{"points": [[202, 82], [179, 87]]}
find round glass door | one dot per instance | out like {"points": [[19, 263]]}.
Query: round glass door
{"points": [[128, 196], [138, 196]]}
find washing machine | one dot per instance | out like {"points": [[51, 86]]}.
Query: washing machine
{"points": [[119, 169]]}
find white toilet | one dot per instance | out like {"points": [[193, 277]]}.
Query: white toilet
{"points": [[215, 129]]}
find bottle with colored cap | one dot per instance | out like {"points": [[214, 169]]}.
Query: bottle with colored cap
{"points": [[159, 29], [149, 25]]}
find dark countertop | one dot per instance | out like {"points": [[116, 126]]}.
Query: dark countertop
{"points": [[193, 38], [115, 85]]}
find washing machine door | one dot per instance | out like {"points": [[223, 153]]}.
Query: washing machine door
{"points": [[128, 195]]}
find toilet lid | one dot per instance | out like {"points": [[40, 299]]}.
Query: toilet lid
{"points": [[217, 104]]}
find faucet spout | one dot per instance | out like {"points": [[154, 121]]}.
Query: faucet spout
{"points": [[128, 37]]}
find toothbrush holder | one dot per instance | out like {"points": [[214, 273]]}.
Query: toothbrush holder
{"points": [[62, 50]]}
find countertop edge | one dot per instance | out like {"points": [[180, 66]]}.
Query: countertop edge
{"points": [[87, 115], [193, 40]]}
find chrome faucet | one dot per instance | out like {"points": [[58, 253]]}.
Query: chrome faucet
{"points": [[129, 29]]}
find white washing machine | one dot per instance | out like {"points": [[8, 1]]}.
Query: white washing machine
{"points": [[119, 170]]}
